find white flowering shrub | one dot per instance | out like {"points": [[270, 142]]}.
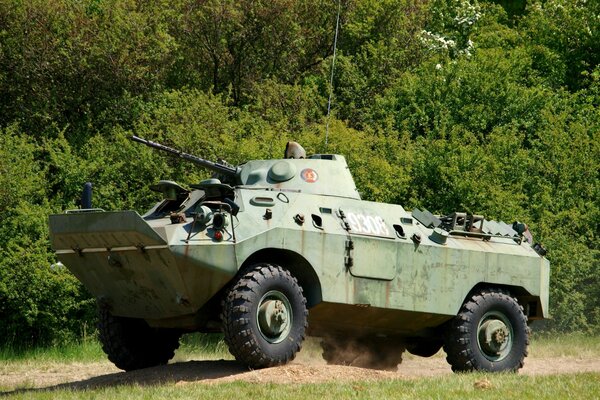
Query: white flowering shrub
{"points": [[451, 25]]}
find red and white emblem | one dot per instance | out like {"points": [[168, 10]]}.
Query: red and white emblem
{"points": [[309, 175]]}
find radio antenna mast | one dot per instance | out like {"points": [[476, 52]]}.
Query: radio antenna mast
{"points": [[337, 28]]}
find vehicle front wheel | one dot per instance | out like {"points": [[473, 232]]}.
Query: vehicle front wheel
{"points": [[490, 333], [131, 343], [264, 317]]}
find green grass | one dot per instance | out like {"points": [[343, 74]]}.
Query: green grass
{"points": [[211, 347], [564, 345], [199, 346], [84, 351], [506, 386], [203, 347]]}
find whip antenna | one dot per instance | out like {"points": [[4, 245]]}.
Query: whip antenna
{"points": [[337, 28]]}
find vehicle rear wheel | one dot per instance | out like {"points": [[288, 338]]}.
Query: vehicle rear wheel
{"points": [[131, 343], [490, 333], [264, 317]]}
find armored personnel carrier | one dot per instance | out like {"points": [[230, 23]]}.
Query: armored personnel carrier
{"points": [[274, 250]]}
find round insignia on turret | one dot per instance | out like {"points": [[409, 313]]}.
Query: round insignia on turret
{"points": [[309, 175]]}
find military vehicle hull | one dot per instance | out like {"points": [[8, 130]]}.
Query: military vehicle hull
{"points": [[158, 271], [362, 270]]}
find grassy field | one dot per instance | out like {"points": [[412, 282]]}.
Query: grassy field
{"points": [[197, 345], [577, 386], [452, 386]]}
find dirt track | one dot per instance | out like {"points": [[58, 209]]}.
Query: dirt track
{"points": [[303, 370]]}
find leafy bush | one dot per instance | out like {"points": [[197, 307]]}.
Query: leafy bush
{"points": [[39, 303]]}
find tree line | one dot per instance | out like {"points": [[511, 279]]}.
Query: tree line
{"points": [[489, 107]]}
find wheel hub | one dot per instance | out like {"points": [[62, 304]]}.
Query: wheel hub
{"points": [[274, 317], [494, 336]]}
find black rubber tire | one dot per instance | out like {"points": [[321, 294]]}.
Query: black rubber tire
{"points": [[372, 353], [424, 347], [131, 344], [242, 331], [464, 349]]}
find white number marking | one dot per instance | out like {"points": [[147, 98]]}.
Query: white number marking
{"points": [[367, 224]]}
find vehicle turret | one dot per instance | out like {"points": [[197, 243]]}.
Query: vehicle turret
{"points": [[321, 174]]}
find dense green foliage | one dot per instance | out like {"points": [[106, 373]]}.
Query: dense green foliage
{"points": [[490, 107]]}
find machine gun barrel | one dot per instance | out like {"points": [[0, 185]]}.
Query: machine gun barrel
{"points": [[220, 168]]}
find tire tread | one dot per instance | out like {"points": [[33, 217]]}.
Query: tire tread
{"points": [[131, 344], [243, 343], [457, 343]]}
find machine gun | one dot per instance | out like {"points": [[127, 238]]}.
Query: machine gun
{"points": [[226, 171]]}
